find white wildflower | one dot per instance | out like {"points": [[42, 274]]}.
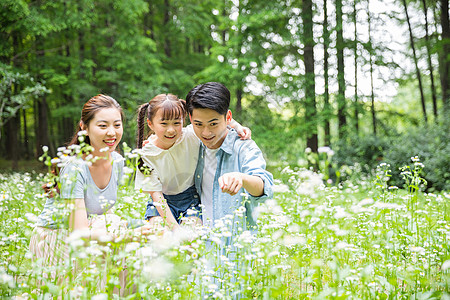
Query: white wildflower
{"points": [[445, 265]]}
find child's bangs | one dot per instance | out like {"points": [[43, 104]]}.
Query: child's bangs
{"points": [[173, 110]]}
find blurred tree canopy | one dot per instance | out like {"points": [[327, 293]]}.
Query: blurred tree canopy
{"points": [[301, 73]]}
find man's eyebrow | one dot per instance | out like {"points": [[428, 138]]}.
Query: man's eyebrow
{"points": [[212, 120]]}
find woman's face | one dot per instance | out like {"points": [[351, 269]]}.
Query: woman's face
{"points": [[166, 131], [105, 129]]}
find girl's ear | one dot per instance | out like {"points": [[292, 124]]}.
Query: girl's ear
{"points": [[149, 123], [82, 126], [229, 117]]}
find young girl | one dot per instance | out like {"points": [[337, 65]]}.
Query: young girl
{"points": [[170, 158], [90, 187]]}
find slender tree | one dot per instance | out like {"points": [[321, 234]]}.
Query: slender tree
{"points": [[342, 119], [430, 64], [355, 53], [419, 77], [372, 92], [308, 55], [445, 59], [326, 107]]}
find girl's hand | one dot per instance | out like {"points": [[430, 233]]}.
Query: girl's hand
{"points": [[146, 229], [231, 183], [244, 132]]}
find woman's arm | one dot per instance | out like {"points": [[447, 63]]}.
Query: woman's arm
{"points": [[78, 217]]}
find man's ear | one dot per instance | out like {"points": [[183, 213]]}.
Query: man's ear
{"points": [[190, 118], [229, 117]]}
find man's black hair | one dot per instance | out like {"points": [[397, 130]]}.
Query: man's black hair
{"points": [[212, 95]]}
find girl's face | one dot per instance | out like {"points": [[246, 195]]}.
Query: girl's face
{"points": [[167, 131], [105, 129]]}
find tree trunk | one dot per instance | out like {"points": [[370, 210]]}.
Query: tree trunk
{"points": [[167, 44], [41, 124], [419, 78], [430, 64], [68, 98], [42, 138], [308, 54], [238, 108], [355, 45], [445, 59], [26, 142], [372, 93], [326, 106], [12, 141], [342, 120], [148, 22]]}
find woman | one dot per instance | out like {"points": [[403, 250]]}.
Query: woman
{"points": [[89, 184]]}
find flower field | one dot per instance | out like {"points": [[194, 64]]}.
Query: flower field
{"points": [[359, 239]]}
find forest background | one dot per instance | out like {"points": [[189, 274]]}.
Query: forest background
{"points": [[368, 78]]}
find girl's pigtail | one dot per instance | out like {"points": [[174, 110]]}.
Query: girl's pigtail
{"points": [[141, 124], [142, 115]]}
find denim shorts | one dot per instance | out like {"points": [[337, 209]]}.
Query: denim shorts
{"points": [[179, 205]]}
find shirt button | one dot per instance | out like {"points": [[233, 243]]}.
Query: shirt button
{"points": [[195, 196], [198, 176]]}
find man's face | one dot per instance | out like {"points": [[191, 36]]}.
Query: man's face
{"points": [[210, 126]]}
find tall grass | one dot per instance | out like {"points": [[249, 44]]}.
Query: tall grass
{"points": [[360, 239]]}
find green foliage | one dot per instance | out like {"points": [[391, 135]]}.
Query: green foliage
{"points": [[430, 143], [17, 90]]}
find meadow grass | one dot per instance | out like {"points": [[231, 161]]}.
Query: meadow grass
{"points": [[359, 239]]}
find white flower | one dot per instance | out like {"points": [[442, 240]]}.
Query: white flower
{"points": [[44, 148], [445, 265], [31, 217], [100, 297], [366, 201], [323, 149], [127, 170], [280, 188], [291, 240], [157, 269], [419, 250], [82, 132], [132, 246]]}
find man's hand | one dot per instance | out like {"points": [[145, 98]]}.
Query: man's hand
{"points": [[231, 183]]}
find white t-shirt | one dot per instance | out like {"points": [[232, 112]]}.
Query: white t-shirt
{"points": [[209, 172], [172, 169]]}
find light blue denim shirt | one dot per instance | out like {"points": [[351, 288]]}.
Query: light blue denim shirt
{"points": [[235, 155]]}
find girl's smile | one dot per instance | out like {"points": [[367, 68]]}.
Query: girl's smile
{"points": [[166, 132]]}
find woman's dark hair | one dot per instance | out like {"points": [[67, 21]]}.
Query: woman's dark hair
{"points": [[212, 95], [89, 110], [172, 106]]}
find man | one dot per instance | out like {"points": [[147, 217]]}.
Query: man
{"points": [[227, 166]]}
